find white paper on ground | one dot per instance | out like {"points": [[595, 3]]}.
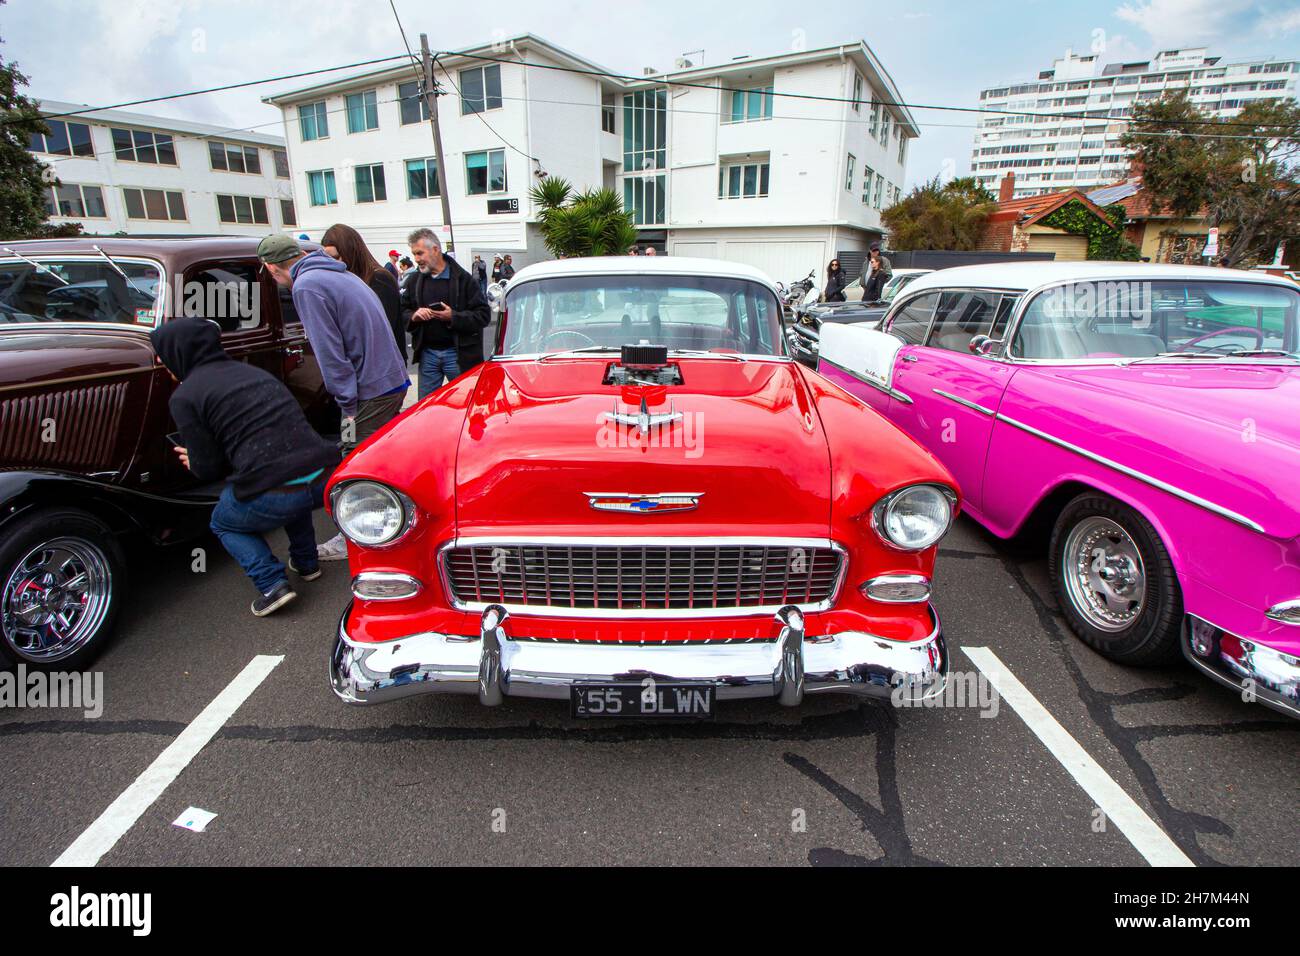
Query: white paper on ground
{"points": [[194, 819]]}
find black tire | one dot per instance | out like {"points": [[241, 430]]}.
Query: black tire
{"points": [[93, 549], [1150, 638]]}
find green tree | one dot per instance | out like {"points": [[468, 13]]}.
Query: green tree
{"points": [[22, 188], [939, 216], [591, 223], [1241, 172]]}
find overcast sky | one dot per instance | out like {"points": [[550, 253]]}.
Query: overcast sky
{"points": [[939, 52]]}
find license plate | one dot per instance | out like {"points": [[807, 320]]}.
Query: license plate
{"points": [[645, 699]]}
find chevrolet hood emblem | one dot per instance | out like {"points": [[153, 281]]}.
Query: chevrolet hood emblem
{"points": [[644, 504]]}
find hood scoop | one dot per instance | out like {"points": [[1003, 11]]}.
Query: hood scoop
{"points": [[643, 364]]}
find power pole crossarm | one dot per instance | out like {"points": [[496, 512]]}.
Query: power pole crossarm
{"points": [[431, 103]]}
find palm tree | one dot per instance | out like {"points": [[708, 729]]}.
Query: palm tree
{"points": [[591, 223]]}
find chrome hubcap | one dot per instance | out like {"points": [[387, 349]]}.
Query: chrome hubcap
{"points": [[55, 599], [1104, 576]]}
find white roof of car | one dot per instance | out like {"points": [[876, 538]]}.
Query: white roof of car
{"points": [[1032, 275], [640, 265]]}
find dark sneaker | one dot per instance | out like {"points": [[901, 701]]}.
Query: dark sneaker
{"points": [[311, 575], [280, 595]]}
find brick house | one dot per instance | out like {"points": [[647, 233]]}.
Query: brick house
{"points": [[1016, 224]]}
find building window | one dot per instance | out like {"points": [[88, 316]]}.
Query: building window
{"points": [[884, 127], [875, 119], [422, 178], [480, 89], [743, 180], [902, 148], [414, 107], [645, 130], [880, 185], [244, 210], [154, 205], [63, 139], [867, 176], [288, 215], [607, 117], [747, 106], [370, 183], [313, 121], [234, 158], [320, 188], [848, 176], [142, 146], [485, 172], [363, 111], [646, 197], [857, 92], [281, 163], [75, 202]]}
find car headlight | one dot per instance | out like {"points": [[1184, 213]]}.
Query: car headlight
{"points": [[371, 514], [913, 518]]}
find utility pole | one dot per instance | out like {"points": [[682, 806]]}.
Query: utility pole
{"points": [[431, 103]]}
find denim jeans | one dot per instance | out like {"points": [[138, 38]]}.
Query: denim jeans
{"points": [[241, 525], [436, 364]]}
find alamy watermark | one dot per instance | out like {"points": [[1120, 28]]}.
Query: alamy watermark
{"points": [[1120, 303], [21, 688], [965, 689]]}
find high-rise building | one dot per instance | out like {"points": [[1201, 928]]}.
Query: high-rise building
{"points": [[1063, 129]]}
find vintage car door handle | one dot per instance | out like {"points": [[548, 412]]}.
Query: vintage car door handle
{"points": [[909, 358]]}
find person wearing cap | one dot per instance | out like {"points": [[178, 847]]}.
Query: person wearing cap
{"points": [[349, 333], [240, 424], [391, 265], [876, 271]]}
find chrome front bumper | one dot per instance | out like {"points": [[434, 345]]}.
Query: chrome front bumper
{"points": [[1270, 677], [492, 666]]}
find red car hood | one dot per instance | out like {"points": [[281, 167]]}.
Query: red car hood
{"points": [[537, 440]]}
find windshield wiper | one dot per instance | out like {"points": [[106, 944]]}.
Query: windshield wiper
{"points": [[706, 352], [118, 270], [37, 265], [1245, 353], [587, 350]]}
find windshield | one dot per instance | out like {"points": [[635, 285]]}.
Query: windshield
{"points": [[77, 290], [897, 285], [682, 312], [1138, 318]]}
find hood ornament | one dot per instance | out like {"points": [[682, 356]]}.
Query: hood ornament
{"points": [[627, 503], [643, 419]]}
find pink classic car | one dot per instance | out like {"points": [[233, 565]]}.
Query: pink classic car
{"points": [[1149, 416]]}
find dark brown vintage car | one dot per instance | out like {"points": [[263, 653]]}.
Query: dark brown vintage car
{"points": [[84, 458]]}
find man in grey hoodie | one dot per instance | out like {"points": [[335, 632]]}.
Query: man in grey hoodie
{"points": [[345, 323]]}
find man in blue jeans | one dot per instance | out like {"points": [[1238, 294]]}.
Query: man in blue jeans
{"points": [[240, 423], [446, 313]]}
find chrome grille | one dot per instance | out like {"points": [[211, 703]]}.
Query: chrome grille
{"points": [[583, 576]]}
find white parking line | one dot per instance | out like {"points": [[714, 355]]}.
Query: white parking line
{"points": [[123, 812], [1143, 832]]}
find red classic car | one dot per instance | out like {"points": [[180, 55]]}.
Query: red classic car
{"points": [[641, 505]]}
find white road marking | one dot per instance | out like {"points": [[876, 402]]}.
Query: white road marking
{"points": [[123, 812], [1143, 832]]}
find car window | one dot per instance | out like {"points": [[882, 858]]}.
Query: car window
{"points": [[681, 312], [1144, 318], [912, 321], [962, 315], [228, 293], [78, 290]]}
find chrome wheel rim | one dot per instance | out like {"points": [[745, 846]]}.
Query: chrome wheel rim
{"points": [[1104, 576], [55, 599]]}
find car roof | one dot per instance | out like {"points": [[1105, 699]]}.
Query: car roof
{"points": [[1033, 275], [641, 265], [187, 248]]}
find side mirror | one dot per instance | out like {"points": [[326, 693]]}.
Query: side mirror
{"points": [[494, 293], [984, 345]]}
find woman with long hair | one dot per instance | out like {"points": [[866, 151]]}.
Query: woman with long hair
{"points": [[835, 283], [346, 245]]}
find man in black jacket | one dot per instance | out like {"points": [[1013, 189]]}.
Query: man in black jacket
{"points": [[240, 423], [445, 312]]}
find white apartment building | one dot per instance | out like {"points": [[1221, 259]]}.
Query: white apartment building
{"points": [[1081, 106], [710, 160], [122, 172]]}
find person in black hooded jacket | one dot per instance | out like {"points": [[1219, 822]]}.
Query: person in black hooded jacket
{"points": [[240, 423]]}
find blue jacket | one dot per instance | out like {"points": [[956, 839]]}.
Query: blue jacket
{"points": [[348, 331]]}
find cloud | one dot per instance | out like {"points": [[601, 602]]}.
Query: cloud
{"points": [[1171, 24]]}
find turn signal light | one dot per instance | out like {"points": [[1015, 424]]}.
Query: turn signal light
{"points": [[384, 586], [898, 588]]}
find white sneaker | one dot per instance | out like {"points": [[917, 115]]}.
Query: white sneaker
{"points": [[335, 549]]}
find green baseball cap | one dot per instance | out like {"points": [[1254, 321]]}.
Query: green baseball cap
{"points": [[278, 247]]}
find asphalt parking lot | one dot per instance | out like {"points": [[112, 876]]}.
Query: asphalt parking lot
{"points": [[295, 777]]}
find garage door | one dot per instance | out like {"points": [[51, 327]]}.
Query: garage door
{"points": [[1067, 248], [703, 250], [782, 260]]}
